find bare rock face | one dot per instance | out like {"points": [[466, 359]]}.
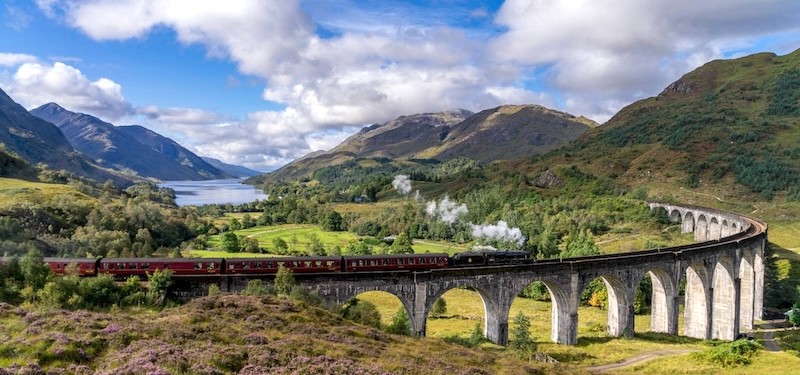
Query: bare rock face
{"points": [[678, 86], [548, 180]]}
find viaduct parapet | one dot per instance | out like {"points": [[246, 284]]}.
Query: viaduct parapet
{"points": [[724, 274]]}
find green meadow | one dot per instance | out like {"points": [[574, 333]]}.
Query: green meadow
{"points": [[299, 236]]}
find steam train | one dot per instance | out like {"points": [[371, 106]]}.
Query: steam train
{"points": [[122, 268]]}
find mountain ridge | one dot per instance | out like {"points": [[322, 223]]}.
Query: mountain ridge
{"points": [[119, 148], [35, 141], [231, 169], [517, 130]]}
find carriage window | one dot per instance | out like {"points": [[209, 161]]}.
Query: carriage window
{"points": [[258, 264], [246, 265], [230, 266], [269, 264], [330, 263], [280, 264], [120, 266], [385, 262], [105, 266], [145, 266], [308, 263], [211, 265], [198, 266]]}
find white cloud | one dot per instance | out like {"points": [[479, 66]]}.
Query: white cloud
{"points": [[15, 59], [602, 54], [363, 76], [182, 116], [376, 62], [34, 84]]}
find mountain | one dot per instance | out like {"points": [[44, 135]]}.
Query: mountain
{"points": [[502, 133], [118, 148], [175, 152], [233, 170], [35, 141], [729, 127]]}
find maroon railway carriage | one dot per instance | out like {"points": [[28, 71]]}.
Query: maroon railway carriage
{"points": [[271, 265], [123, 267], [86, 266], [394, 262]]}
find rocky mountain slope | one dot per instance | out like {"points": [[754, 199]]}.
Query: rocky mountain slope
{"points": [[502, 133], [123, 149], [37, 141], [175, 152]]}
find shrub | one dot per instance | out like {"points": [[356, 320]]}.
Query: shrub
{"points": [[400, 324], [302, 294], [255, 288], [731, 354], [284, 281], [522, 340], [439, 308], [362, 312]]}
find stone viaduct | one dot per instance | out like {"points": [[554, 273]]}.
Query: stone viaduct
{"points": [[724, 274]]}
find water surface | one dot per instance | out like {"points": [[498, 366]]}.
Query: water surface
{"points": [[213, 191]]}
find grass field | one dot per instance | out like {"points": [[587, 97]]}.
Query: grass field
{"points": [[299, 237], [296, 236], [238, 215], [13, 192], [465, 310], [763, 363]]}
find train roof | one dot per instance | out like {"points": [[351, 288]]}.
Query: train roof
{"points": [[382, 256], [282, 259], [70, 260], [165, 260]]}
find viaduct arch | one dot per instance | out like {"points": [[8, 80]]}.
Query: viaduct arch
{"points": [[724, 291]]}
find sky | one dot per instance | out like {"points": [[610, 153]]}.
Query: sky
{"points": [[259, 83]]}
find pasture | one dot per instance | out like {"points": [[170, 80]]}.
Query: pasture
{"points": [[299, 237]]}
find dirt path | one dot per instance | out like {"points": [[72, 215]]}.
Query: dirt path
{"points": [[637, 359], [768, 330]]}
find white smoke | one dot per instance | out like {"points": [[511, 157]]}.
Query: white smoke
{"points": [[446, 210], [402, 183], [499, 232], [418, 196]]}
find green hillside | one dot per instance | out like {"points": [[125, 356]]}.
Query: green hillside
{"points": [[729, 128]]}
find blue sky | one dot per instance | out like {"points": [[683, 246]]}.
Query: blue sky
{"points": [[259, 83]]}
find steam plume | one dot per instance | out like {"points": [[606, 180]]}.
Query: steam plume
{"points": [[402, 183], [498, 232], [446, 210]]}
